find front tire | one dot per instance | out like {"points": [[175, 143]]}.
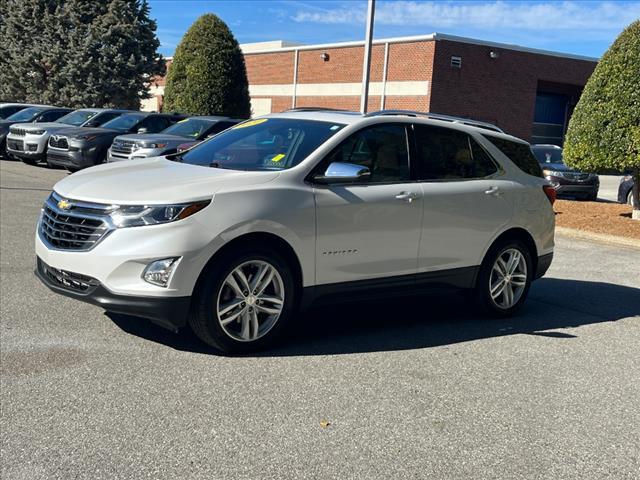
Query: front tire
{"points": [[504, 278], [245, 301]]}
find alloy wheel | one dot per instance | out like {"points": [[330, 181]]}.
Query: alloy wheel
{"points": [[508, 278], [250, 300]]}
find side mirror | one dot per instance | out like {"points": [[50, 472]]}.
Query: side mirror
{"points": [[142, 130], [339, 172]]}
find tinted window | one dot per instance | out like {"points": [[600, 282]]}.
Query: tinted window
{"points": [[445, 154], [219, 127], [382, 149], [51, 116], [155, 124], [518, 153], [102, 118], [190, 127], [26, 115], [124, 122], [10, 110]]}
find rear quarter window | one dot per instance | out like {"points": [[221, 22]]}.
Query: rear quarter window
{"points": [[518, 153]]}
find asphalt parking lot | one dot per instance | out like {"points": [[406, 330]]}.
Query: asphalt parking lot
{"points": [[419, 388]]}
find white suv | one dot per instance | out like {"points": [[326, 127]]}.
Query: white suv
{"points": [[233, 236]]}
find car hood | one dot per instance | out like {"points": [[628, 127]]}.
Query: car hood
{"points": [[152, 137], [72, 132], [155, 180], [41, 126]]}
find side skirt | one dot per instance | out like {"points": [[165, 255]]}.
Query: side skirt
{"points": [[403, 285]]}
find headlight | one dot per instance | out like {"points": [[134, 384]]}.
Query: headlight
{"points": [[87, 136], [153, 145], [552, 173], [140, 215], [35, 132]]}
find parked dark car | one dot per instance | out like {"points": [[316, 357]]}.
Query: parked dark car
{"points": [[625, 190], [567, 181], [77, 148], [132, 147], [8, 109], [33, 114]]}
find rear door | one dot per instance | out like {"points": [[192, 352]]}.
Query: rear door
{"points": [[467, 199], [369, 230]]}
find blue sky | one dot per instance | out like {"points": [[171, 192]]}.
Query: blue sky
{"points": [[579, 27]]}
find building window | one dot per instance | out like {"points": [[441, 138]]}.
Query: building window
{"points": [[456, 62]]}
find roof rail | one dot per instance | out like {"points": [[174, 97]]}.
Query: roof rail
{"points": [[316, 109], [438, 116]]}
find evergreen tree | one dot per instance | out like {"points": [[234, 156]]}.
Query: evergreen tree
{"points": [[77, 53], [208, 75], [604, 131]]}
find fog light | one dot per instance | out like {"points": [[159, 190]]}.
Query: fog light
{"points": [[32, 147], [159, 272]]}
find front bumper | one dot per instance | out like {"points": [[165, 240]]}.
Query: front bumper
{"points": [[569, 187], [169, 312], [30, 147], [75, 157]]}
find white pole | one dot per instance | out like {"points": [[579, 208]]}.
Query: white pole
{"points": [[367, 56]]}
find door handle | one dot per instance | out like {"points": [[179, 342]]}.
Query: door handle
{"points": [[407, 196], [495, 191]]}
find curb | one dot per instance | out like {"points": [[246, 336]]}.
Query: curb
{"points": [[598, 237]]}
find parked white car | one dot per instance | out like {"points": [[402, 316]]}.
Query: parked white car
{"points": [[233, 236]]}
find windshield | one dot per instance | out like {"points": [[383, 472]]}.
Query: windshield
{"points": [[262, 144], [77, 118], [190, 127], [548, 155], [25, 115], [124, 122]]}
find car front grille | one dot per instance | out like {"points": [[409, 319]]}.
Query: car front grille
{"points": [[576, 176], [21, 132], [67, 280], [58, 141], [71, 225], [123, 146]]}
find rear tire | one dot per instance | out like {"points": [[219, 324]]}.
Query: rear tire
{"points": [[245, 300], [504, 278]]}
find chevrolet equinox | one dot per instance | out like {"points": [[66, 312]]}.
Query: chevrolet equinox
{"points": [[235, 235]]}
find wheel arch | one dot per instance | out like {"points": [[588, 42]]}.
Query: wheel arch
{"points": [[264, 239], [516, 233]]}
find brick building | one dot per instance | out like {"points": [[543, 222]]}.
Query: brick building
{"points": [[527, 92]]}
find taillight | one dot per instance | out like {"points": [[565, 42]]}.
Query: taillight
{"points": [[550, 192]]}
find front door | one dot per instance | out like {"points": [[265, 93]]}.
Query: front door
{"points": [[370, 229]]}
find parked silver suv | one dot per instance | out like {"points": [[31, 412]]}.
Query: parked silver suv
{"points": [[130, 147]]}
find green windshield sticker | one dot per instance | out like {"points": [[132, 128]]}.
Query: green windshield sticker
{"points": [[278, 157]]}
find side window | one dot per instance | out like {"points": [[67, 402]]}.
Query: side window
{"points": [[220, 126], [382, 149], [154, 124], [518, 153], [102, 118], [51, 116], [446, 154], [482, 163]]}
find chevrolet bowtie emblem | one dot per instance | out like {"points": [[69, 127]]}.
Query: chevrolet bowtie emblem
{"points": [[64, 204]]}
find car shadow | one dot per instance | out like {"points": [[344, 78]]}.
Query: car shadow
{"points": [[435, 319]]}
